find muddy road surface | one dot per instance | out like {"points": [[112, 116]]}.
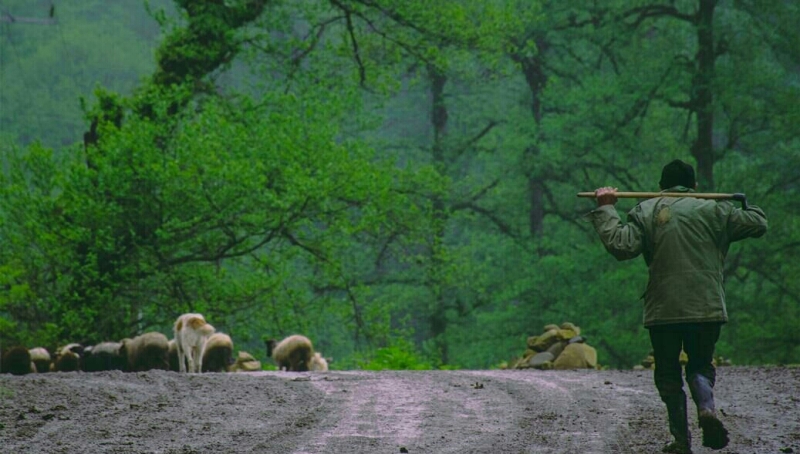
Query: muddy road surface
{"points": [[489, 411]]}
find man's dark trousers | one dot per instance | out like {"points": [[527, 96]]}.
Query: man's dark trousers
{"points": [[698, 340]]}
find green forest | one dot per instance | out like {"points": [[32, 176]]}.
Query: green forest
{"points": [[395, 179]]}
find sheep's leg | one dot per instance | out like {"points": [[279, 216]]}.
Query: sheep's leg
{"points": [[197, 359], [181, 358], [190, 357], [200, 352]]}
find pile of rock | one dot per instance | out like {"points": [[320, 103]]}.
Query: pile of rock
{"points": [[558, 347], [649, 362], [721, 361], [245, 362]]}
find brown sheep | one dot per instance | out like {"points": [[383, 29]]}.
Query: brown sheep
{"points": [[41, 358], [17, 361], [145, 352], [291, 354], [217, 353]]}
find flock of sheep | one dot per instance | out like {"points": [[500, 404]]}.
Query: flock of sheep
{"points": [[196, 347]]}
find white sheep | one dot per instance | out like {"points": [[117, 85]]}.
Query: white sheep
{"points": [[41, 358], [103, 356], [318, 363], [292, 353], [191, 332], [217, 353], [145, 352]]}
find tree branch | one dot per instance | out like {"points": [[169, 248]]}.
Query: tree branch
{"points": [[362, 72], [644, 12], [469, 143], [502, 226]]}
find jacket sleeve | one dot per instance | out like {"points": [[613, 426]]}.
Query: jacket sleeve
{"points": [[623, 241], [749, 223]]}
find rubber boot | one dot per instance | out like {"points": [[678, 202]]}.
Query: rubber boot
{"points": [[678, 425], [715, 436]]}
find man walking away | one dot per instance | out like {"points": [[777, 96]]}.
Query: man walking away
{"points": [[684, 241]]}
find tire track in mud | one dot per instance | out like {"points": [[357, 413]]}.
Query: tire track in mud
{"points": [[474, 411], [439, 412], [571, 411], [367, 414]]}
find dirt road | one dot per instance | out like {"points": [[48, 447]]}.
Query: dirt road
{"points": [[381, 412]]}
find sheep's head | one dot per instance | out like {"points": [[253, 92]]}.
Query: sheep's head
{"points": [[74, 348], [207, 329], [270, 343], [123, 347], [198, 323]]}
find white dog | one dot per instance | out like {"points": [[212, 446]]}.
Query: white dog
{"points": [[191, 332]]}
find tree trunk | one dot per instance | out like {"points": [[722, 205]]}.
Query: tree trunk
{"points": [[536, 78], [702, 100], [438, 319]]}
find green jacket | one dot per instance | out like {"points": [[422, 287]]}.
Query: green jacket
{"points": [[684, 242]]}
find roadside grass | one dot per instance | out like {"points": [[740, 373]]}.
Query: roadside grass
{"points": [[6, 393]]}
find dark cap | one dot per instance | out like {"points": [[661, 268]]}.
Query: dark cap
{"points": [[677, 173]]}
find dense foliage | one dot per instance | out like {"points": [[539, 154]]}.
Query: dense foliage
{"points": [[394, 179]]}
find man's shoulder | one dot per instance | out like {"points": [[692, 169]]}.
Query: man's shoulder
{"points": [[688, 205], [645, 206]]}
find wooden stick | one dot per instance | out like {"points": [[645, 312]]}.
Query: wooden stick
{"points": [[650, 195]]}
